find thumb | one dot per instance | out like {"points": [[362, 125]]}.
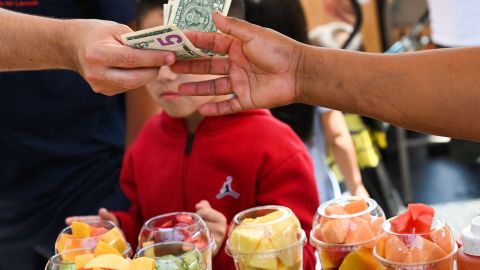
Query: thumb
{"points": [[202, 204], [232, 26], [104, 214]]}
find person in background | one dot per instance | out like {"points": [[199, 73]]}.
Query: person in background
{"points": [[61, 144], [217, 166], [319, 128]]}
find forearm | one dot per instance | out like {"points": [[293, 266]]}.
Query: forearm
{"points": [[34, 43], [345, 157], [436, 92]]}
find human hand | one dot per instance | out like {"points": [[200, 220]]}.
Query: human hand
{"points": [[262, 66], [341, 9], [216, 223], [103, 214], [361, 191], [109, 66]]}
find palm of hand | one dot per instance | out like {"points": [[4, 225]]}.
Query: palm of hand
{"points": [[268, 65]]}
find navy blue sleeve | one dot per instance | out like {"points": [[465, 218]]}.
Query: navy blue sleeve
{"points": [[121, 11]]}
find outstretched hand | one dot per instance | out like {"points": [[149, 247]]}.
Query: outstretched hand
{"points": [[109, 66], [260, 69]]}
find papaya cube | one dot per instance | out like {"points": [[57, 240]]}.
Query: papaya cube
{"points": [[335, 231]]}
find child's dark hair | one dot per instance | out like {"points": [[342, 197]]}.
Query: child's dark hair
{"points": [[288, 18], [237, 8]]}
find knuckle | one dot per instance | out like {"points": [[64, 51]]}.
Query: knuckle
{"points": [[130, 59]]}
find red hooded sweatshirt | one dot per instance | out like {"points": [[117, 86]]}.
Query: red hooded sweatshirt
{"points": [[167, 169]]}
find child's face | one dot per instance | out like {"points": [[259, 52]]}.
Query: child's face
{"points": [[164, 90]]}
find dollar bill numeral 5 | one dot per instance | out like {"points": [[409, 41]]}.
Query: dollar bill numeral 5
{"points": [[170, 40]]}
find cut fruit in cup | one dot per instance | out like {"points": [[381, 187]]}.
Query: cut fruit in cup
{"points": [[267, 237], [178, 227], [346, 228], [89, 235], [416, 238]]}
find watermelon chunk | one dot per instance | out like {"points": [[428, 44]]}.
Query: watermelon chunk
{"points": [[417, 219], [402, 223]]}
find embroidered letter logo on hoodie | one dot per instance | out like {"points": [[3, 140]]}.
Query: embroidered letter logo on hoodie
{"points": [[227, 190]]}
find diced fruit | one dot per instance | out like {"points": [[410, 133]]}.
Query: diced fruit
{"points": [[82, 260], [246, 240], [423, 224], [402, 223], [191, 261], [80, 229], [335, 209], [419, 209], [359, 260], [380, 246], [359, 231], [431, 250], [335, 231], [265, 262], [115, 238], [443, 239], [395, 249], [356, 206], [184, 218], [376, 224], [109, 261], [167, 224], [96, 231], [103, 248], [68, 242], [332, 258], [142, 263], [249, 239]]}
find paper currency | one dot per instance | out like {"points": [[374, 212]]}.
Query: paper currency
{"points": [[179, 15], [196, 15], [165, 38]]}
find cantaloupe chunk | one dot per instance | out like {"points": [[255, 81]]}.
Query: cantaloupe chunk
{"points": [[359, 231], [395, 249], [376, 224], [380, 246], [355, 206], [430, 250], [335, 209], [335, 231], [142, 263], [82, 260], [80, 229], [104, 248], [442, 238], [109, 261], [359, 260]]}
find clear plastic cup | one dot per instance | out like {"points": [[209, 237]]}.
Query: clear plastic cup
{"points": [[104, 231], [178, 227], [344, 233], [174, 255], [435, 250], [66, 259], [267, 237]]}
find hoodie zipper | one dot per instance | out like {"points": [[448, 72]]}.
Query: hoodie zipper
{"points": [[186, 160]]}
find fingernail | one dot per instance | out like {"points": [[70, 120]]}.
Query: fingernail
{"points": [[169, 60]]}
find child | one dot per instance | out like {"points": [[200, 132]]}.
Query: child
{"points": [[217, 166]]}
